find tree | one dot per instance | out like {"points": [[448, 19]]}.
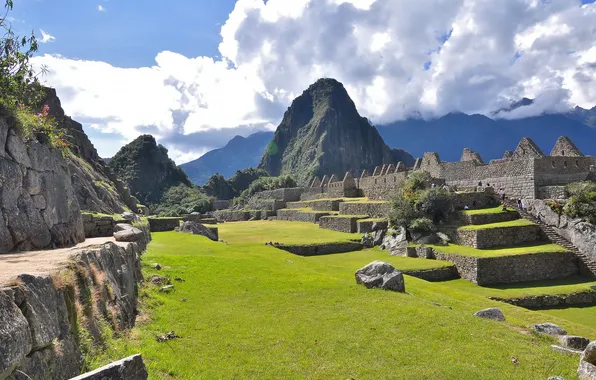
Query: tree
{"points": [[243, 178], [18, 81], [218, 187]]}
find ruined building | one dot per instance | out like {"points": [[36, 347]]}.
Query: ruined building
{"points": [[525, 173]]}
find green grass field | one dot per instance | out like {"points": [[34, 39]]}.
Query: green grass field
{"points": [[493, 210], [494, 252], [512, 223], [247, 310]]}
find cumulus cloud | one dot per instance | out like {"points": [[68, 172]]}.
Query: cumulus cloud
{"points": [[101, 8], [46, 37], [396, 58]]}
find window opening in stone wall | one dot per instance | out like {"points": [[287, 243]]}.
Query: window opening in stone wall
{"points": [[565, 164], [577, 163], [553, 163], [562, 153]]}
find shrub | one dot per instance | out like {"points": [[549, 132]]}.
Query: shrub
{"points": [[435, 204], [582, 203], [218, 187], [182, 199], [415, 182], [422, 225], [402, 210], [243, 178]]}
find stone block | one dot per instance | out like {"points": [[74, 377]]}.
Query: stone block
{"points": [[131, 368], [15, 335]]}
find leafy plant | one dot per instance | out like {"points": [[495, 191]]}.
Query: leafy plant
{"points": [[582, 203], [422, 225], [182, 199]]}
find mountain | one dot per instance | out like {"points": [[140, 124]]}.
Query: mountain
{"points": [[587, 117], [450, 134], [322, 133], [147, 169], [239, 153]]}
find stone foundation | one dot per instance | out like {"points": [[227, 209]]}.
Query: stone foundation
{"points": [[232, 216], [98, 226], [365, 226], [490, 218], [433, 275], [585, 298], [511, 269], [321, 249], [373, 209], [498, 237], [164, 224], [40, 316], [341, 223], [300, 216]]}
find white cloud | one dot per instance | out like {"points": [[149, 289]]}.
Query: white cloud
{"points": [[101, 8], [45, 37], [396, 58]]}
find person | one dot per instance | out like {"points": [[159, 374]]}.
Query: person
{"points": [[519, 204], [466, 207], [479, 183], [502, 193], [433, 185]]}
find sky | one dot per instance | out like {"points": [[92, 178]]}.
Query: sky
{"points": [[195, 73]]}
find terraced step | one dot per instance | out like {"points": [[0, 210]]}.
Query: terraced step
{"points": [[375, 209], [489, 215], [366, 225], [507, 265], [341, 223], [318, 204], [301, 215], [554, 237], [502, 234]]}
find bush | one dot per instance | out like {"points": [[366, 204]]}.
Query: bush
{"points": [[182, 199], [415, 182], [243, 178], [403, 210], [422, 225], [218, 187], [435, 204], [582, 203]]}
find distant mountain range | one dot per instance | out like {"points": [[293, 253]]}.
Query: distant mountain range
{"points": [[239, 153], [447, 135]]}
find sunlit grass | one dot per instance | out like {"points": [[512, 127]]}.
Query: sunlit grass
{"points": [[509, 224], [494, 252]]}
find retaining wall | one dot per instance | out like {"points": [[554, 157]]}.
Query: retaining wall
{"points": [[584, 298], [477, 219], [374, 209], [164, 224], [365, 226], [340, 223], [436, 274], [300, 216], [40, 316], [498, 237], [511, 269], [321, 249], [98, 226]]}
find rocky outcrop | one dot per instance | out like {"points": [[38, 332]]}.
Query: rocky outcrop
{"points": [[587, 363], [196, 228], [323, 134], [43, 319], [96, 187], [131, 368], [38, 206]]}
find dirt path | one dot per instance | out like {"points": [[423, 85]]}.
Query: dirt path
{"points": [[41, 262]]}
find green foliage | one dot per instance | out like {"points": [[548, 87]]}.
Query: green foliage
{"points": [[555, 205], [219, 187], [582, 203], [415, 199], [243, 178], [265, 183], [18, 81], [422, 225], [182, 199]]}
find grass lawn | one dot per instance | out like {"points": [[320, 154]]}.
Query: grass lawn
{"points": [[584, 315], [247, 310], [512, 223], [493, 252], [493, 210]]}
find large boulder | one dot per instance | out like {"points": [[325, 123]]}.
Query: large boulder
{"points": [[395, 241], [15, 335], [379, 274], [587, 363], [131, 368], [492, 313], [549, 329], [131, 234], [574, 342], [196, 228]]}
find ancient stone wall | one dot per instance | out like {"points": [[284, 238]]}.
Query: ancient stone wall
{"points": [[366, 225], [98, 226], [381, 186], [482, 197], [285, 195], [374, 210], [41, 317], [340, 223], [552, 192], [265, 204], [300, 216], [435, 274], [490, 218], [584, 298], [221, 204], [498, 237], [38, 206], [511, 269], [164, 224], [552, 171], [321, 249], [232, 216]]}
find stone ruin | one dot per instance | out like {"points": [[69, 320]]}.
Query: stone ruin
{"points": [[525, 173]]}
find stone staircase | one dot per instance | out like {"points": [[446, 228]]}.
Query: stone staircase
{"points": [[554, 237]]}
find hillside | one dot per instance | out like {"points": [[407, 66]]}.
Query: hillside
{"points": [[322, 133], [147, 169], [96, 187], [239, 153], [449, 134]]}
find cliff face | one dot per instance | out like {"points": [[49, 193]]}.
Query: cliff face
{"points": [[147, 169], [96, 187], [38, 206], [322, 134]]}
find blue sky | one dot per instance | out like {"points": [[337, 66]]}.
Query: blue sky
{"points": [[194, 73], [125, 34]]}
